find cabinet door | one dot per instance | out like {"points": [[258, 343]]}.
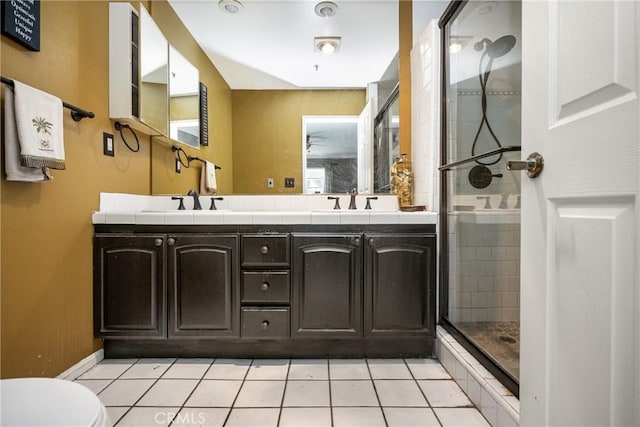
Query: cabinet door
{"points": [[203, 285], [129, 286], [399, 285], [327, 286]]}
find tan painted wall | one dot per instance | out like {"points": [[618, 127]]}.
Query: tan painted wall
{"points": [[164, 180], [405, 16], [267, 133], [47, 291], [183, 107]]}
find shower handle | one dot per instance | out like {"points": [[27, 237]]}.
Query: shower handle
{"points": [[533, 165]]}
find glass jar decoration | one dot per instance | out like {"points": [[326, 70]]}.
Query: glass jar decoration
{"points": [[403, 180]]}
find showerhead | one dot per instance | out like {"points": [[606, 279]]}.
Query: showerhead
{"points": [[498, 48]]}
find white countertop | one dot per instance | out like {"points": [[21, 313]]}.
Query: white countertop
{"points": [[252, 210]]}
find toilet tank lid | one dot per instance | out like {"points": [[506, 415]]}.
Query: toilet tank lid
{"points": [[47, 402]]}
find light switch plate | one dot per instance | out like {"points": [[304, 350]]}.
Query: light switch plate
{"points": [[270, 182], [107, 144]]}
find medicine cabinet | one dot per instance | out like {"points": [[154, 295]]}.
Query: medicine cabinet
{"points": [[152, 87]]}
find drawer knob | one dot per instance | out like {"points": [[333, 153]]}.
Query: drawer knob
{"points": [[264, 250], [157, 242], [265, 324], [264, 286]]}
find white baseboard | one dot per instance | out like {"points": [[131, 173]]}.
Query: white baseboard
{"points": [[85, 364]]}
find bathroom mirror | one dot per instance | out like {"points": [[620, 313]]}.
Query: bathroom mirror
{"points": [[386, 143], [154, 74], [184, 100], [329, 154]]}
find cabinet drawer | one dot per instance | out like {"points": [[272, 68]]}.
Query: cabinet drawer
{"points": [[265, 287], [265, 323], [265, 250]]}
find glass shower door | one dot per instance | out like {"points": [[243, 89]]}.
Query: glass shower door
{"points": [[481, 198]]}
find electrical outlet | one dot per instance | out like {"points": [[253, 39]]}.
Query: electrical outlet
{"points": [[289, 182], [270, 182], [107, 144]]}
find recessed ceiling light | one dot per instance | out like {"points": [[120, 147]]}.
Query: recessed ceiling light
{"points": [[232, 7], [327, 45], [326, 9]]}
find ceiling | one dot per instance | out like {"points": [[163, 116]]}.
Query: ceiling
{"points": [[270, 44]]}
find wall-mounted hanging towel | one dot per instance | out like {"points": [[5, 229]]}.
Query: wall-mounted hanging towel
{"points": [[208, 183], [34, 139], [77, 114]]}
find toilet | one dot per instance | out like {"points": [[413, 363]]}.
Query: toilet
{"points": [[49, 402]]}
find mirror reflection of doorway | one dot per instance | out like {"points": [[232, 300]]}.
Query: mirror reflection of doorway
{"points": [[330, 154]]}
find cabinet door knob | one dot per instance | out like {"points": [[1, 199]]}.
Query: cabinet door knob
{"points": [[356, 240], [264, 250], [157, 242], [264, 286], [265, 324], [171, 241]]}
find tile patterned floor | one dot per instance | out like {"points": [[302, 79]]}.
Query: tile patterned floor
{"points": [[280, 392]]}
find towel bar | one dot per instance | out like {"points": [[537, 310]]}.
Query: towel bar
{"points": [[77, 114]]}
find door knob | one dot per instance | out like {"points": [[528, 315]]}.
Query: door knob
{"points": [[171, 241], [157, 242], [533, 165]]}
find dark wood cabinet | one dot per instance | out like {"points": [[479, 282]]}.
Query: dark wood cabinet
{"points": [[203, 276], [399, 278], [327, 285], [129, 286]]}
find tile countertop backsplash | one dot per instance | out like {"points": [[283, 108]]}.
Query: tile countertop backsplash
{"points": [[116, 208]]}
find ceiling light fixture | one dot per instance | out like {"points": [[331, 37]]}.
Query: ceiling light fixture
{"points": [[327, 45], [326, 9], [232, 7]]}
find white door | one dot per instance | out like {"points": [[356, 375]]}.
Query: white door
{"points": [[580, 294]]}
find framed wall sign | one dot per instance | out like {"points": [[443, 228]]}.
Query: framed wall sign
{"points": [[21, 22], [204, 116]]}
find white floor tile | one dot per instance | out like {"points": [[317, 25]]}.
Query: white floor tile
{"points": [[399, 393], [214, 393], [148, 417], [241, 417], [410, 417], [306, 393], [443, 393], [188, 369], [353, 393], [268, 369], [348, 369], [115, 413], [259, 394], [305, 417], [228, 369], [358, 417], [460, 417], [427, 369], [124, 392], [201, 417], [389, 369], [107, 369], [148, 368], [309, 369], [95, 386], [168, 393]]}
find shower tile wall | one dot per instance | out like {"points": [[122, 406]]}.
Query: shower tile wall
{"points": [[484, 272], [425, 137]]}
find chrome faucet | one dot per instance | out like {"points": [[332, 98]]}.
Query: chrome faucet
{"points": [[352, 201], [196, 200]]}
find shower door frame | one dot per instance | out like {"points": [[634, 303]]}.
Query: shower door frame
{"points": [[451, 13]]}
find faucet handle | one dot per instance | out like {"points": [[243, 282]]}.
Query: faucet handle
{"points": [[337, 199], [213, 203], [368, 205], [487, 204], [181, 206]]}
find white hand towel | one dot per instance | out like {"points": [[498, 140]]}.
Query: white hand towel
{"points": [[208, 179], [12, 167], [39, 125]]}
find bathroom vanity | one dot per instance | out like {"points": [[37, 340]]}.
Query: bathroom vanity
{"points": [[318, 289]]}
